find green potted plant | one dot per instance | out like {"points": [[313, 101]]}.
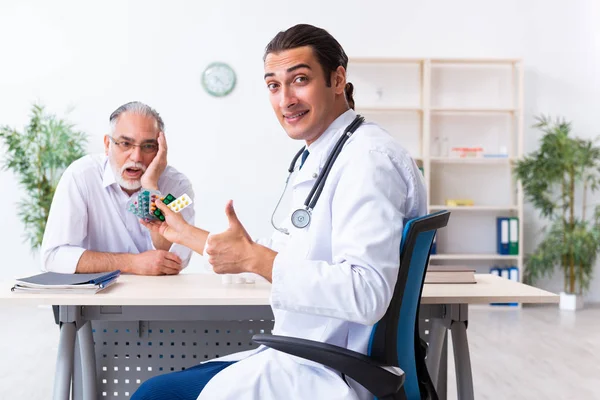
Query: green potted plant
{"points": [[557, 179], [38, 156]]}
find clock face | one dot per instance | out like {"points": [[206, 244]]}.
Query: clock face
{"points": [[218, 79]]}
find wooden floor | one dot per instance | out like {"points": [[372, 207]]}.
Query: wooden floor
{"points": [[533, 353]]}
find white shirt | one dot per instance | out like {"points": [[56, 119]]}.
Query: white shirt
{"points": [[89, 212], [333, 280]]}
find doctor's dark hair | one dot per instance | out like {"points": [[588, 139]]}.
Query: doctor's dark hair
{"points": [[136, 107], [328, 51]]}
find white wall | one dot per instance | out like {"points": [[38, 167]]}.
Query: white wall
{"points": [[95, 57]]}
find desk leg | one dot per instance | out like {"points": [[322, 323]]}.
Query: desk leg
{"points": [[462, 360], [437, 336], [88, 361], [64, 361], [76, 382], [442, 382]]}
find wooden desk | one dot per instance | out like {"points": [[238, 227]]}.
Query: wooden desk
{"points": [[204, 297], [445, 307], [207, 289], [488, 289], [172, 290]]}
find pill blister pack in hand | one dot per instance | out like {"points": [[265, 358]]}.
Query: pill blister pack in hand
{"points": [[143, 205]]}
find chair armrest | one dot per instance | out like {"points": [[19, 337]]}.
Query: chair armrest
{"points": [[378, 379]]}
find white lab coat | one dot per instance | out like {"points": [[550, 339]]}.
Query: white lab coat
{"points": [[333, 280]]}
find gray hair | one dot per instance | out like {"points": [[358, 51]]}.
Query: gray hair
{"points": [[136, 107]]}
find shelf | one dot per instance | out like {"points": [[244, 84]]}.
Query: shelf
{"points": [[374, 110], [472, 208], [434, 61], [502, 61], [473, 257], [469, 102], [383, 60], [466, 110], [479, 160]]}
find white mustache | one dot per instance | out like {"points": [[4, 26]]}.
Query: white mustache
{"points": [[133, 165]]}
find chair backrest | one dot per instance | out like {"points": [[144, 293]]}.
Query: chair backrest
{"points": [[395, 338]]}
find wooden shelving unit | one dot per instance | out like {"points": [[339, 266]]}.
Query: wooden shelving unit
{"points": [[432, 105]]}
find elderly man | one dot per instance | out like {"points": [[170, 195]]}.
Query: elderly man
{"points": [[89, 228]]}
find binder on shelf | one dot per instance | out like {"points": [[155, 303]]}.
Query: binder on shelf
{"points": [[434, 245], [513, 240], [52, 282], [502, 235], [511, 273], [495, 270]]}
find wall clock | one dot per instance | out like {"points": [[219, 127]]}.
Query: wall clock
{"points": [[218, 79]]}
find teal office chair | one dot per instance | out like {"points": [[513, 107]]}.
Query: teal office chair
{"points": [[395, 340]]}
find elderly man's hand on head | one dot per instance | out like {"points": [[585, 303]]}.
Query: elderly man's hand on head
{"points": [[157, 166]]}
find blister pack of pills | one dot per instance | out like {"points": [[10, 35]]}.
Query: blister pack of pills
{"points": [[144, 207], [141, 205], [180, 203]]}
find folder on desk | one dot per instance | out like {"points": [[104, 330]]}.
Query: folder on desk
{"points": [[52, 282]]}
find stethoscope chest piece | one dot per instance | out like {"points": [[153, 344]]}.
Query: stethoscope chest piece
{"points": [[300, 218]]}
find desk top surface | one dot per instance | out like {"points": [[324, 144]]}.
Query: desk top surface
{"points": [[207, 289]]}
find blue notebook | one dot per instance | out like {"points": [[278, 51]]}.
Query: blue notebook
{"points": [[52, 282]]}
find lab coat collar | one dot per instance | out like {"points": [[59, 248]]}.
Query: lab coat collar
{"points": [[320, 148]]}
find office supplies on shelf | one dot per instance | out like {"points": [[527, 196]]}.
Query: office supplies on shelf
{"points": [[513, 236], [459, 202], [502, 235], [466, 152], [511, 273]]}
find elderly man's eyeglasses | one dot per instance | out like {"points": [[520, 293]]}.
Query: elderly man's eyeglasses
{"points": [[126, 145]]}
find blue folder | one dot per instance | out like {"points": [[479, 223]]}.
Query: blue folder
{"points": [[55, 279]]}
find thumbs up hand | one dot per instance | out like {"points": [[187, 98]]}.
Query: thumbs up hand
{"points": [[233, 251]]}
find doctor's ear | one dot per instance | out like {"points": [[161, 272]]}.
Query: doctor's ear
{"points": [[339, 80]]}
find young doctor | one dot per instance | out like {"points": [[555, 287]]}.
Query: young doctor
{"points": [[333, 265]]}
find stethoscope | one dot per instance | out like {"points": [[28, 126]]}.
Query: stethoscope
{"points": [[302, 216]]}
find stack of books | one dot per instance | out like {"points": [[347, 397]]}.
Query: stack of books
{"points": [[52, 282], [449, 274]]}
